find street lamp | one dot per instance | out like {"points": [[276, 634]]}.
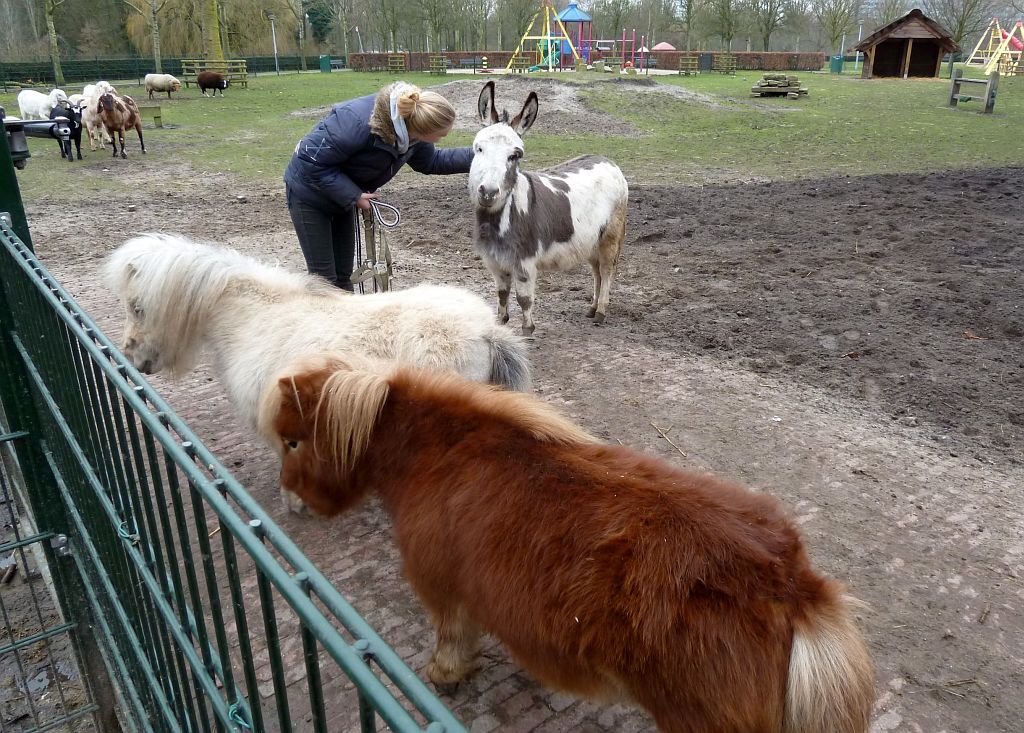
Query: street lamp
{"points": [[273, 35]]}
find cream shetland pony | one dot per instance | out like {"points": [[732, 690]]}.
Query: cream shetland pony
{"points": [[605, 572], [182, 297]]}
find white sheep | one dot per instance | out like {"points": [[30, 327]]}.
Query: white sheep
{"points": [[76, 100], [36, 105], [91, 115], [161, 83]]}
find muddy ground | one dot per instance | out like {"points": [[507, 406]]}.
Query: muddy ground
{"points": [[851, 345]]}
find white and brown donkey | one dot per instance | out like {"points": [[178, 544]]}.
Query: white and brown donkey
{"points": [[549, 220]]}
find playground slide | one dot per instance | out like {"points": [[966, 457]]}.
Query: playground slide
{"points": [[551, 58], [1013, 41]]}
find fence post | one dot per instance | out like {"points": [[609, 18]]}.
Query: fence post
{"points": [[990, 91], [954, 87]]}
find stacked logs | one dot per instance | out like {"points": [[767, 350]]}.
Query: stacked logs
{"points": [[775, 85]]}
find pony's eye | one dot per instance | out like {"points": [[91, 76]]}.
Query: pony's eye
{"points": [[291, 444]]}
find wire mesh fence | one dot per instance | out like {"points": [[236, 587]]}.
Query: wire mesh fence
{"points": [[189, 609]]}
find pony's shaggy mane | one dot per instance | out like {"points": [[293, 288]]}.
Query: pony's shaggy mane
{"points": [[356, 390], [173, 283]]}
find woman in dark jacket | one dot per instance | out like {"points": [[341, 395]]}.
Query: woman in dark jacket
{"points": [[356, 149]]}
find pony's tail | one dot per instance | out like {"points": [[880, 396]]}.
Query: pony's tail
{"points": [[510, 367], [831, 683]]}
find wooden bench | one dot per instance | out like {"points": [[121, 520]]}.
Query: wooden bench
{"points": [[396, 63], [235, 70], [724, 63], [688, 65], [472, 63], [520, 64], [337, 63], [153, 111], [613, 63], [988, 97], [439, 64]]}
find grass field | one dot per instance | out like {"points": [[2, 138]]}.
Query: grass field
{"points": [[845, 126]]}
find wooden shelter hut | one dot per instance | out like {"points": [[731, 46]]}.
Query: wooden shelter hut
{"points": [[909, 46]]}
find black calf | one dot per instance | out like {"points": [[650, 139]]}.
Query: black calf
{"points": [[74, 118]]}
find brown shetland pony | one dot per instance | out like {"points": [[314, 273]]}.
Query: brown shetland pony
{"points": [[606, 572]]}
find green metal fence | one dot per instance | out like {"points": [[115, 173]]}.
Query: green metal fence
{"points": [[188, 608]]}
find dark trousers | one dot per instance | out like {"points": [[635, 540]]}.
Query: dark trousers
{"points": [[327, 240]]}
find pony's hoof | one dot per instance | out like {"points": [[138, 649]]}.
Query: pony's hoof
{"points": [[591, 312], [447, 689], [599, 319], [503, 319], [528, 330]]}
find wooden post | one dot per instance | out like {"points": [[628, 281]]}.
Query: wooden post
{"points": [[954, 87], [990, 92], [869, 65], [906, 59]]}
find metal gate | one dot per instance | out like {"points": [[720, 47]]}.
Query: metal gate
{"points": [[186, 607]]}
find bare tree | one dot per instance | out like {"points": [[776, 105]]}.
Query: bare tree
{"points": [[767, 16], [686, 13], [50, 9], [836, 18], [152, 8], [298, 11], [513, 17], [724, 16], [886, 11], [211, 30], [961, 17]]}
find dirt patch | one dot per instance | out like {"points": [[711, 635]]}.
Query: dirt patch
{"points": [[564, 108], [851, 345]]}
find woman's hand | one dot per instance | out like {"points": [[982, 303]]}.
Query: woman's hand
{"points": [[363, 202]]}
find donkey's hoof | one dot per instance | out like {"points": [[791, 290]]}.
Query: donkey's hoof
{"points": [[598, 319], [591, 312], [528, 330]]}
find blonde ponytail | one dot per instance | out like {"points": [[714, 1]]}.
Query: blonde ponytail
{"points": [[425, 112]]}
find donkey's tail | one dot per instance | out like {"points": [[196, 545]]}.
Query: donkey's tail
{"points": [[831, 679], [510, 367]]}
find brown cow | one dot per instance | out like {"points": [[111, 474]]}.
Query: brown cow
{"points": [[118, 112], [605, 572]]}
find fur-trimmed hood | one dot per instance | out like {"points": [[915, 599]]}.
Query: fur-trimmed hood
{"points": [[380, 119]]}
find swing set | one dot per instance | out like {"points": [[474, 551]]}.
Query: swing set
{"points": [[999, 50]]}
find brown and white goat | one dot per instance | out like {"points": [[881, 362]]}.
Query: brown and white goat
{"points": [[118, 113]]}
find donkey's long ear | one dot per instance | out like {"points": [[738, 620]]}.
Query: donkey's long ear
{"points": [[527, 116], [485, 105]]}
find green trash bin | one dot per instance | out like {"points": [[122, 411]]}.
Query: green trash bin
{"points": [[325, 64], [836, 65]]}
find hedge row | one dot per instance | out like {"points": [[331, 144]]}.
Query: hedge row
{"points": [[771, 61]]}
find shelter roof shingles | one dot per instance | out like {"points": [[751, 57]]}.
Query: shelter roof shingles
{"points": [[914, 17]]}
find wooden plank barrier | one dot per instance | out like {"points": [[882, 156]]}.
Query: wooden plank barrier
{"points": [[724, 63], [688, 65], [236, 70], [520, 64], [439, 64], [396, 63], [988, 97]]}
